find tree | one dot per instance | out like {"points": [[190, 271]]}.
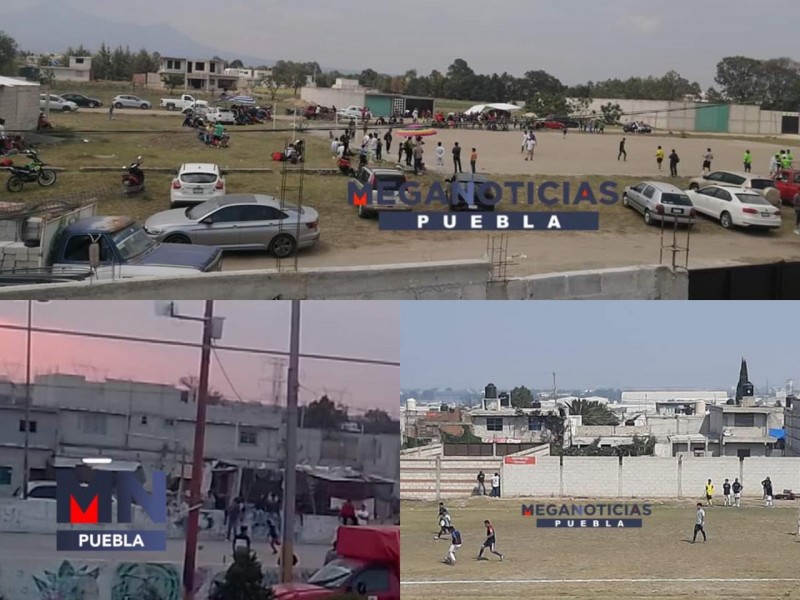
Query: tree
{"points": [[612, 112], [173, 81], [244, 580], [466, 437], [739, 77], [271, 85], [593, 412], [378, 421], [237, 64], [323, 414], [8, 53], [521, 397], [191, 383], [101, 63], [411, 442], [542, 103]]}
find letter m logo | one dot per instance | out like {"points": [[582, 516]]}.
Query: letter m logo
{"points": [[77, 503], [358, 197], [527, 510]]}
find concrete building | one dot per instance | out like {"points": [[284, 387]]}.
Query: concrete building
{"points": [[79, 68], [743, 430], [347, 92], [513, 425], [206, 75], [19, 103], [792, 426], [247, 78]]}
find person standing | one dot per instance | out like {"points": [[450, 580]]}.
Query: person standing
{"points": [[530, 145], [233, 516], [440, 155], [707, 158], [622, 152], [111, 112], [241, 542], [737, 493], [378, 149], [726, 492], [767, 484], [348, 513], [473, 160], [774, 165], [409, 148], [709, 493], [786, 161], [362, 514], [388, 139], [481, 483], [748, 161], [444, 521], [489, 542], [699, 523], [457, 158], [659, 157], [418, 151], [496, 485], [400, 149], [674, 159], [272, 537], [455, 544], [524, 142]]}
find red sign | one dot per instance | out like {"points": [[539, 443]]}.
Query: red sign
{"points": [[520, 460]]}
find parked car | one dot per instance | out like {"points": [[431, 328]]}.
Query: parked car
{"points": [[239, 222], [763, 185], [455, 197], [387, 183], [351, 112], [637, 127], [788, 183], [82, 100], [735, 207], [126, 101], [220, 115], [196, 183], [56, 103], [658, 201], [186, 101]]}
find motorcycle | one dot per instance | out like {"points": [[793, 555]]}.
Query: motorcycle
{"points": [[133, 180], [34, 171]]}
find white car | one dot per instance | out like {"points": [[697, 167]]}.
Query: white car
{"points": [[763, 185], [56, 103], [735, 207], [220, 115], [126, 101], [351, 112], [196, 183]]}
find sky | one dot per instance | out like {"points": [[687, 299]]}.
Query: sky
{"points": [[372, 332], [576, 41], [596, 344]]}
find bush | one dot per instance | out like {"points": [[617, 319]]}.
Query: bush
{"points": [[244, 580]]}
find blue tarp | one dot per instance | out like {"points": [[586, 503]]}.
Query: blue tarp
{"points": [[777, 433]]}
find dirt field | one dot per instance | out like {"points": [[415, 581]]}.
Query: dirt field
{"points": [[751, 552]]}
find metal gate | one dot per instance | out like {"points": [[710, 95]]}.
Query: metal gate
{"points": [[790, 125], [776, 281]]}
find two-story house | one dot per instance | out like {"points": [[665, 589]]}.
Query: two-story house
{"points": [[206, 75]]}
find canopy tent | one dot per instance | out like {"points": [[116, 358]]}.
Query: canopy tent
{"points": [[249, 100], [479, 108]]}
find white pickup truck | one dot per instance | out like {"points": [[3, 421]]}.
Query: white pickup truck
{"points": [[182, 103]]}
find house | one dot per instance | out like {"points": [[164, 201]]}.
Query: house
{"points": [[206, 75], [743, 431], [78, 69], [792, 426], [19, 104]]}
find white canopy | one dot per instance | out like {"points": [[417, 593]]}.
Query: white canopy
{"points": [[479, 108]]}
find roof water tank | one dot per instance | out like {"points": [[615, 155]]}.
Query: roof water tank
{"points": [[491, 391], [505, 399], [411, 404]]}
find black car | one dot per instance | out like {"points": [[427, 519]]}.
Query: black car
{"points": [[481, 197], [82, 100], [635, 127]]}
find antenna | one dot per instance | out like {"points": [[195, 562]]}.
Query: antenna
{"points": [[555, 395]]}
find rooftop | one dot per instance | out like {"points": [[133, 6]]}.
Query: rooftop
{"points": [[16, 82]]}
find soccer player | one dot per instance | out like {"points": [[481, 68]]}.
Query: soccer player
{"points": [[272, 536], [709, 494], [444, 521], [455, 544], [659, 157], [699, 522], [767, 483], [737, 493], [490, 541], [726, 491]]}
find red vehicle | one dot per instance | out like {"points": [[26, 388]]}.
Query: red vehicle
{"points": [[368, 565], [788, 183]]}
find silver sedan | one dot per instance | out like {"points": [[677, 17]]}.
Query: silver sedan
{"points": [[239, 222], [658, 201]]}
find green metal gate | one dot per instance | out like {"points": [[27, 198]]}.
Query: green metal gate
{"points": [[712, 118], [379, 105]]}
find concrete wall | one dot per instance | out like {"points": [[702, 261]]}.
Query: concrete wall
{"points": [[19, 106], [331, 97], [110, 579]]}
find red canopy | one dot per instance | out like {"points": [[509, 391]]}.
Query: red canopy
{"points": [[369, 543]]}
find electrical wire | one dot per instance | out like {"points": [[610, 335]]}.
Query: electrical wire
{"points": [[225, 374]]}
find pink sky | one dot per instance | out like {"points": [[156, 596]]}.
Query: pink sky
{"points": [[342, 328]]}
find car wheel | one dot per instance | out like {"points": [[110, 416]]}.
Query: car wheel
{"points": [[363, 213], [282, 245], [625, 199], [694, 186], [725, 220], [177, 239], [92, 104], [118, 105], [144, 106], [648, 218], [65, 109]]}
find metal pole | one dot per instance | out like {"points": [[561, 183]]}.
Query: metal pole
{"points": [[289, 492], [190, 555], [25, 466]]}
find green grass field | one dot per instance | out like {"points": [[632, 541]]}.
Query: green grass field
{"points": [[749, 551]]}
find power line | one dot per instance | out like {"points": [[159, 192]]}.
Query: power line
{"points": [[177, 343], [225, 374]]}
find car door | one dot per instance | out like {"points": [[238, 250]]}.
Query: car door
{"points": [[76, 256], [647, 199], [635, 199], [260, 224], [702, 199], [220, 228], [722, 202]]}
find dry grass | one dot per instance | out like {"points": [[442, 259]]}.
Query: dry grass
{"points": [[748, 543]]}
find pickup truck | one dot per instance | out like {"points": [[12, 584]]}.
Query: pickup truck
{"points": [[182, 103], [788, 183], [111, 248], [368, 565]]}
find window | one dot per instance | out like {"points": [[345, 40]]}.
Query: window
{"points": [[5, 475], [174, 64], [744, 420], [198, 178], [648, 192], [43, 491], [77, 249], [732, 179], [717, 176], [93, 424], [229, 214], [370, 581], [248, 436], [797, 177], [639, 188], [743, 453], [79, 61], [534, 424], [722, 195], [31, 426], [199, 66], [213, 67], [494, 423], [185, 396], [262, 213], [169, 422]]}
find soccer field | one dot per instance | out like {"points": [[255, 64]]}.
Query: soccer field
{"points": [[752, 552]]}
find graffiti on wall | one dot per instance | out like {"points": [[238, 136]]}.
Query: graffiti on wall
{"points": [[68, 583], [146, 581]]}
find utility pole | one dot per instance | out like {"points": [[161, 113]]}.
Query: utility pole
{"points": [[287, 549], [25, 460], [555, 389], [190, 557]]}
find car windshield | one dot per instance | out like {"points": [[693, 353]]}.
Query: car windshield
{"points": [[752, 199], [132, 241], [198, 178], [390, 183], [676, 199], [333, 575], [761, 184], [196, 213]]}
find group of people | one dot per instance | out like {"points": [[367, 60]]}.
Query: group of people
{"points": [[782, 161], [350, 515], [211, 134], [495, 484], [449, 530]]}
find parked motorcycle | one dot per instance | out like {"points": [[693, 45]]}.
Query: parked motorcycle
{"points": [[133, 180], [34, 171]]}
